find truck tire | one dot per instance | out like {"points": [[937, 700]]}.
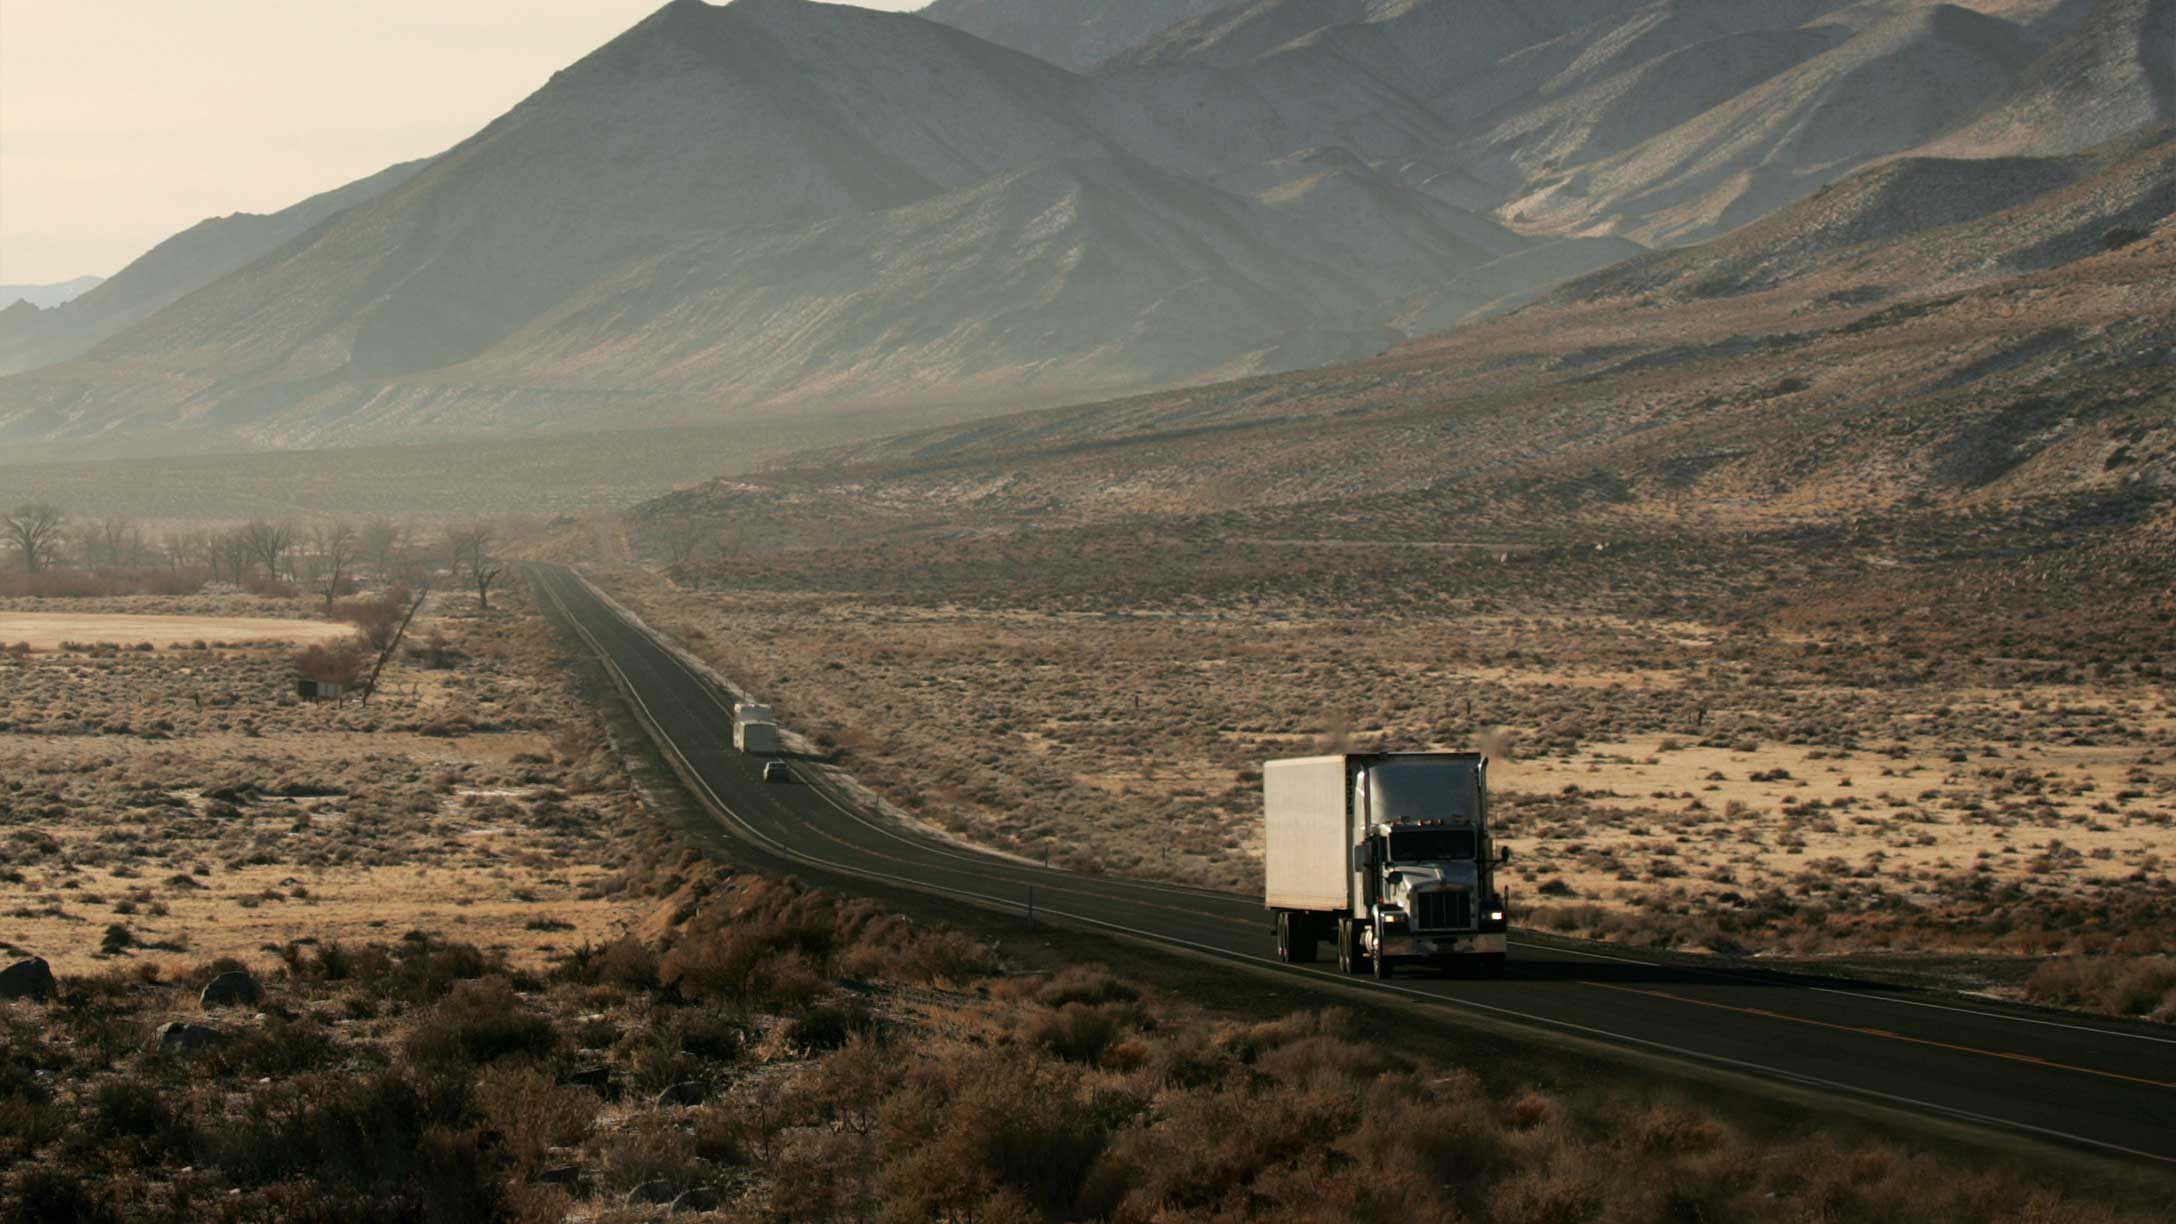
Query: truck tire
{"points": [[1349, 956], [1285, 951], [1380, 966]]}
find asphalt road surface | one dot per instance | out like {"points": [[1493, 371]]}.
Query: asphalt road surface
{"points": [[2095, 1084]]}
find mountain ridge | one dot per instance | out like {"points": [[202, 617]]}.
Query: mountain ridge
{"points": [[173, 269], [779, 204]]}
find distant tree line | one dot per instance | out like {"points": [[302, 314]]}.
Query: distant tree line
{"points": [[329, 559]]}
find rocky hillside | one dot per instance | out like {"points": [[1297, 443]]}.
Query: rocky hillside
{"points": [[782, 206], [1075, 34], [2009, 342], [182, 264]]}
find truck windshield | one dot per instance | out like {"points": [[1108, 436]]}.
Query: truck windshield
{"points": [[1430, 845]]}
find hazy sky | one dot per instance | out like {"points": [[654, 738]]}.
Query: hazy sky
{"points": [[123, 121]]}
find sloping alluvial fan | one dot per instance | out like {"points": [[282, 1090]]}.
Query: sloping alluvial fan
{"points": [[782, 206]]}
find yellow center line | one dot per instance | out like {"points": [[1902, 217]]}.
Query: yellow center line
{"points": [[1890, 1035]]}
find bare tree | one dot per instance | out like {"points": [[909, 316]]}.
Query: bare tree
{"points": [[120, 542], [81, 541], [336, 546], [230, 556], [683, 538], [268, 544], [472, 549], [181, 548], [34, 531], [384, 544]]}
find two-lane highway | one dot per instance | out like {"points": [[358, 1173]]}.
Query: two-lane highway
{"points": [[2096, 1084]]}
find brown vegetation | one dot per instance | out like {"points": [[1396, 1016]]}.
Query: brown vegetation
{"points": [[489, 994], [769, 1053], [187, 794]]}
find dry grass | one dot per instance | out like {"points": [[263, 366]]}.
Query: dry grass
{"points": [[422, 1054], [828, 1061], [50, 630], [1647, 761], [185, 796]]}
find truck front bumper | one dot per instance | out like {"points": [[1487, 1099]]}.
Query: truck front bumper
{"points": [[1443, 945]]}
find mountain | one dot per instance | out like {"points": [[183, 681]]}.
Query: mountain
{"points": [[778, 205], [1966, 219], [1665, 122], [45, 297], [1075, 34], [766, 202], [2008, 343], [1896, 81], [167, 272], [2114, 72]]}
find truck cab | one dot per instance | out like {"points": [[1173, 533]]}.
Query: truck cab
{"points": [[1429, 897]]}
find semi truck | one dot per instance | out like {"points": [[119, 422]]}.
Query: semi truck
{"points": [[1387, 855], [755, 729]]}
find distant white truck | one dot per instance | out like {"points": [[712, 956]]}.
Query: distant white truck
{"points": [[1386, 854], [755, 729]]}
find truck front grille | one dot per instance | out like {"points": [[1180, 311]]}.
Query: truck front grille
{"points": [[1442, 911]]}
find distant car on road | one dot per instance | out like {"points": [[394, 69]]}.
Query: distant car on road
{"points": [[776, 771]]}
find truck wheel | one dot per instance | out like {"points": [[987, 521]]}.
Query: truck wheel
{"points": [[1348, 946], [1284, 937], [1380, 965]]}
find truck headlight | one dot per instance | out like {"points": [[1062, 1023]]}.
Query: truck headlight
{"points": [[1495, 915]]}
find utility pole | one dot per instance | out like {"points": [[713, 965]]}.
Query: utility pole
{"points": [[394, 645]]}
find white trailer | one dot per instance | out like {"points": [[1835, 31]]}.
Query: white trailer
{"points": [[757, 737], [1387, 854]]}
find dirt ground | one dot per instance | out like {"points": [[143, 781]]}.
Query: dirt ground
{"points": [[47, 630], [179, 804]]}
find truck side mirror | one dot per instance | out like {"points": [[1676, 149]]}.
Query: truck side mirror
{"points": [[1503, 854]]}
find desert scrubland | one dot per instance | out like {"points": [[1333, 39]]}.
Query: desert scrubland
{"points": [[169, 794], [486, 982], [1805, 787]]}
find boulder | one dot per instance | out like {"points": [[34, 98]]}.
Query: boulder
{"points": [[180, 1036], [235, 988], [686, 1092], [30, 978], [701, 1198]]}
